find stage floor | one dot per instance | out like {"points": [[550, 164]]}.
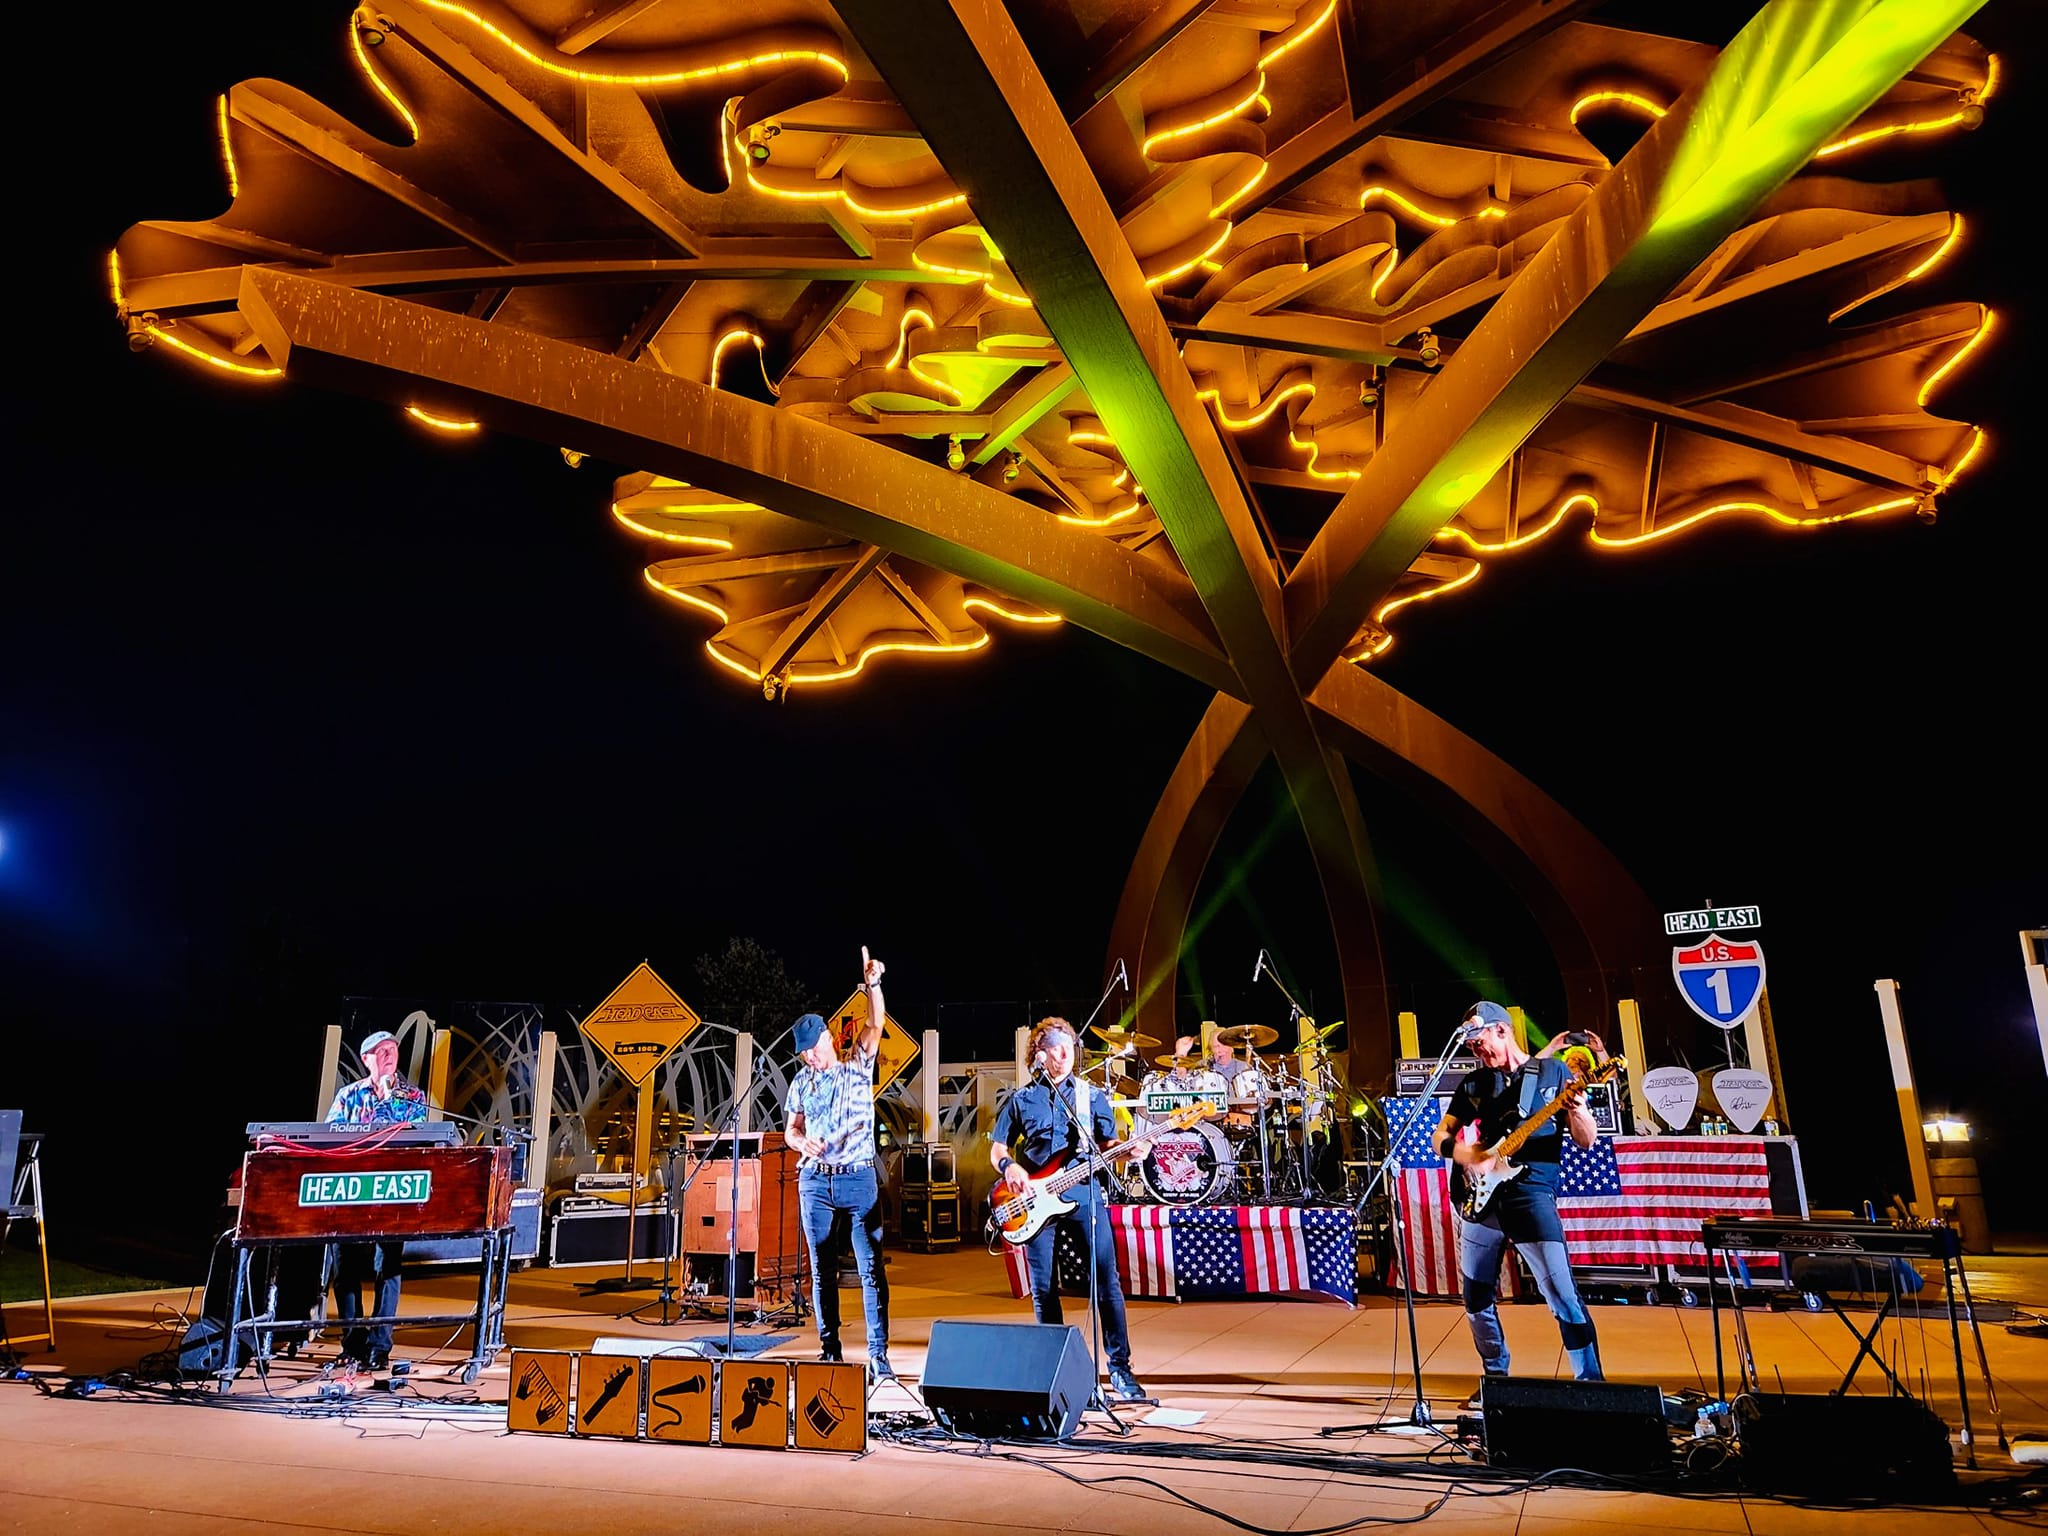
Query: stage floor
{"points": [[1260, 1379]]}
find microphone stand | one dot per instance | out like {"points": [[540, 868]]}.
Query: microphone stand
{"points": [[1097, 1399], [1294, 1016], [1122, 979], [666, 1296], [1418, 1414]]}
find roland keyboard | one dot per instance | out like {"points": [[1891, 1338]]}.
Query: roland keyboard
{"points": [[1793, 1234], [318, 1133]]}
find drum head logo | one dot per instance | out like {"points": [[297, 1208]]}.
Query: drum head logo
{"points": [[1720, 979]]}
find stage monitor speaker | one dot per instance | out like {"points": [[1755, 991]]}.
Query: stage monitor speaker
{"points": [[1007, 1381], [1602, 1426], [204, 1349], [1821, 1444]]}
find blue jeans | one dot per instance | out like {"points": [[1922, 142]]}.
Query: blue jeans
{"points": [[1480, 1244], [836, 1205], [1040, 1258]]}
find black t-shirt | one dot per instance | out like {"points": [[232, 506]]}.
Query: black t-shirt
{"points": [[1499, 1101], [1037, 1123]]}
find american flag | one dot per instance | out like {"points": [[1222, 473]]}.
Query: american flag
{"points": [[1429, 1232], [1639, 1199], [1204, 1252], [1626, 1200]]}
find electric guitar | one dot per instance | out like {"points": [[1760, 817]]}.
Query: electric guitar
{"points": [[1480, 1188], [1016, 1215]]}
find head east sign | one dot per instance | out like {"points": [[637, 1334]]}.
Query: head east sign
{"points": [[1720, 979], [639, 1024]]}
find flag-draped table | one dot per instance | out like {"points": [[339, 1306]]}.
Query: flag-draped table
{"points": [[1626, 1200], [1202, 1253]]}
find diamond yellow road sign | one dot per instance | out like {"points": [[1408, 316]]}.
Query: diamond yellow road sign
{"points": [[639, 1024], [896, 1051]]}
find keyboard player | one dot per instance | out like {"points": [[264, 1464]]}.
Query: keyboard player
{"points": [[381, 1097]]}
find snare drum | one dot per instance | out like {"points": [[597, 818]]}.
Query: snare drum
{"points": [[1187, 1167]]}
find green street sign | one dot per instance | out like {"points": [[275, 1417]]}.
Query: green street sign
{"points": [[405, 1186], [1713, 920]]}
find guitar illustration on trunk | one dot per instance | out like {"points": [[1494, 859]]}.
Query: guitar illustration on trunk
{"points": [[1480, 1188], [1016, 1215]]}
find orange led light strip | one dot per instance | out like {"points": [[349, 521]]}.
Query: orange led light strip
{"points": [[355, 40], [1425, 594], [227, 153], [1649, 108], [442, 423], [794, 678], [1956, 357], [158, 332], [731, 66], [1016, 618], [742, 333], [1423, 215], [632, 524]]}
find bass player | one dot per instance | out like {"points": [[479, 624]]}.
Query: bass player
{"points": [[1508, 1086], [1038, 1128]]}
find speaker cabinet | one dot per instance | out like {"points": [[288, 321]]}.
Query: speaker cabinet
{"points": [[1603, 1426], [931, 1217], [1822, 1444], [1007, 1381]]}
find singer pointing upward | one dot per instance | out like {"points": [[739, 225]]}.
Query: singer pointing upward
{"points": [[1043, 1122], [831, 1112]]}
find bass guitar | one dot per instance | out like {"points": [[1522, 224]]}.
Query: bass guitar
{"points": [[1016, 1215], [1480, 1188]]}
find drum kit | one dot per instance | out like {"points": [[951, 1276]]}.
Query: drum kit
{"points": [[1260, 1147]]}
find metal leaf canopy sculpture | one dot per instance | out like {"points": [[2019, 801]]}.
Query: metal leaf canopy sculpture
{"points": [[1225, 330]]}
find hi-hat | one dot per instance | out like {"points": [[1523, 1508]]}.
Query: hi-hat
{"points": [[1251, 1036], [1119, 1038]]}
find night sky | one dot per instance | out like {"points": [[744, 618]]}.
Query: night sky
{"points": [[301, 703]]}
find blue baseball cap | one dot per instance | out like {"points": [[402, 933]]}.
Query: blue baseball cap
{"points": [[1488, 1013], [809, 1030], [372, 1041]]}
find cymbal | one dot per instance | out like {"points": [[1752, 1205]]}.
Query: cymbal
{"points": [[1318, 1036], [1118, 1038], [1192, 1063], [1251, 1036]]}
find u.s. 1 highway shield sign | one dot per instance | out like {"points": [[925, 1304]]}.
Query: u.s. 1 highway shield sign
{"points": [[1720, 979]]}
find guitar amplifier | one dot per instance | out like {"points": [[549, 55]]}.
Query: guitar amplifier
{"points": [[1411, 1073]]}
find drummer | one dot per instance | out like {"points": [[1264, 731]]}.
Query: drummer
{"points": [[1223, 1061]]}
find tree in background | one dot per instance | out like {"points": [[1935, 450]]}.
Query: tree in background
{"points": [[747, 987]]}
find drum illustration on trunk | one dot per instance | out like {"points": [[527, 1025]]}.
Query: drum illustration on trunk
{"points": [[1187, 1167]]}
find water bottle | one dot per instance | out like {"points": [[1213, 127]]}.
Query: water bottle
{"points": [[1770, 1127]]}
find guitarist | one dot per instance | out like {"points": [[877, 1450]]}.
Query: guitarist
{"points": [[1039, 1126], [1507, 1086]]}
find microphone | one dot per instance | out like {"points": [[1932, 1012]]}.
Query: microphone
{"points": [[1258, 966], [1123, 975]]}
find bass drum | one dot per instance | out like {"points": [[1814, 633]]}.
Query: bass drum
{"points": [[1187, 1167]]}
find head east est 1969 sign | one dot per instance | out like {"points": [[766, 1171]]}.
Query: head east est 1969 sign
{"points": [[639, 1024]]}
